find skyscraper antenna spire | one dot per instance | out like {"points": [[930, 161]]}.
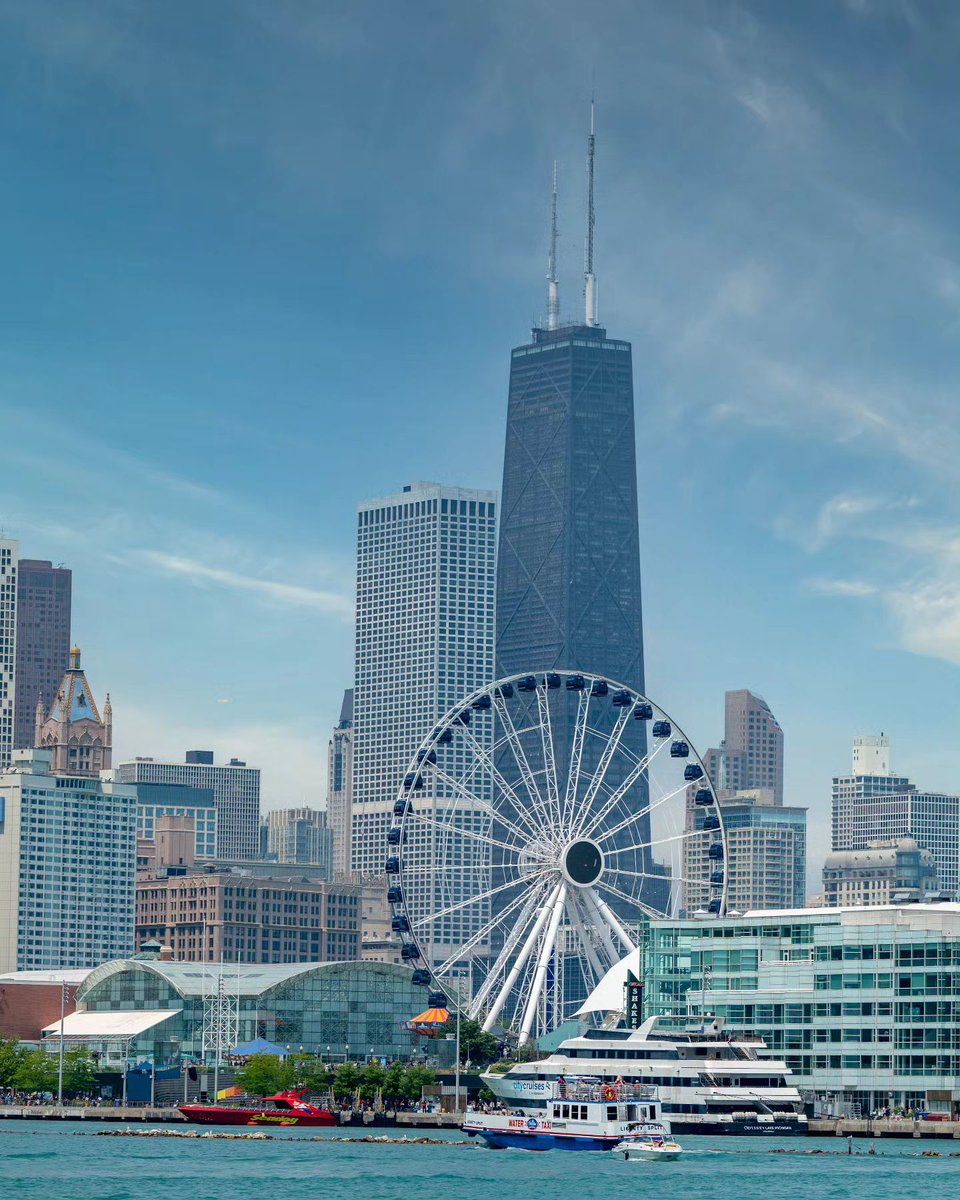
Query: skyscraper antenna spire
{"points": [[589, 281], [553, 295]]}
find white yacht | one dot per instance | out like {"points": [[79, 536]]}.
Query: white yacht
{"points": [[707, 1081]]}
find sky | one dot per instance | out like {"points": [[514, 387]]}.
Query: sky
{"points": [[265, 259]]}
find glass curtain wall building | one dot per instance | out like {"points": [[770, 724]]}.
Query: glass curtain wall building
{"points": [[863, 1004]]}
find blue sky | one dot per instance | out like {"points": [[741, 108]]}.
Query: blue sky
{"points": [[265, 260]]}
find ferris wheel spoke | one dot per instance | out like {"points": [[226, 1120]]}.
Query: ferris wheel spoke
{"points": [[500, 780], [546, 949], [576, 758], [523, 765], [642, 812], [518, 963], [549, 756], [502, 961], [684, 836], [487, 805], [483, 932], [637, 770], [456, 831], [479, 899], [635, 901], [603, 765]]}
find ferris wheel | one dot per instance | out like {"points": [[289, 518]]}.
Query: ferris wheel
{"points": [[539, 826]]}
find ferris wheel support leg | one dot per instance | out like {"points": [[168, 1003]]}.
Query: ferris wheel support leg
{"points": [[589, 900], [581, 925], [517, 967], [605, 911], [543, 961], [500, 964]]}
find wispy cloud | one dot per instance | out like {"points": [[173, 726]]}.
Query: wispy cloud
{"points": [[847, 588], [291, 594]]}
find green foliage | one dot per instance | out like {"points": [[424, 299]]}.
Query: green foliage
{"points": [[415, 1079], [372, 1082], [311, 1073], [265, 1074], [485, 1094], [78, 1072], [481, 1048], [393, 1081], [346, 1081], [37, 1072], [10, 1058]]}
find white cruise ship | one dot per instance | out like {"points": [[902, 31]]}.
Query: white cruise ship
{"points": [[707, 1082]]}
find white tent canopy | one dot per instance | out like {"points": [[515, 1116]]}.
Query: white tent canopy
{"points": [[607, 996], [107, 1026]]}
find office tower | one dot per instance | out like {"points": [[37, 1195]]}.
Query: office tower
{"points": [[68, 855], [241, 917], [766, 853], [43, 640], [9, 561], [751, 753], [766, 841], [79, 739], [893, 872], [157, 801], [568, 568], [236, 795], [340, 784], [300, 835], [880, 806], [425, 638]]}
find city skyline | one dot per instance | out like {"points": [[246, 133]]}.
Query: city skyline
{"points": [[748, 206]]}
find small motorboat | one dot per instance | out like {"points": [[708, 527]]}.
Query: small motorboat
{"points": [[652, 1149], [283, 1109]]}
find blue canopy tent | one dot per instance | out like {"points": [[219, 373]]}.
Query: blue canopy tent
{"points": [[259, 1046]]}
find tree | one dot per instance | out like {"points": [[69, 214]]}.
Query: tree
{"points": [[78, 1072], [265, 1074], [37, 1072], [393, 1081], [481, 1048], [346, 1081], [10, 1058], [415, 1079], [372, 1082], [312, 1074]]}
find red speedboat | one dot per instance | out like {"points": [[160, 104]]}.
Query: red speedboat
{"points": [[288, 1108]]}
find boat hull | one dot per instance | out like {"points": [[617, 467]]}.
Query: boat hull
{"points": [[747, 1128], [517, 1139], [202, 1114]]}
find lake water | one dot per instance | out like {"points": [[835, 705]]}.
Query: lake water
{"points": [[68, 1162]]}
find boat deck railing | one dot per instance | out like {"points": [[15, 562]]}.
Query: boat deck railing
{"points": [[581, 1090]]}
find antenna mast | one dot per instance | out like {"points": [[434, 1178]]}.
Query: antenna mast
{"points": [[589, 282], [553, 295]]}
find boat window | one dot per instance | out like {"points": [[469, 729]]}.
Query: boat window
{"points": [[612, 1112], [566, 1111]]}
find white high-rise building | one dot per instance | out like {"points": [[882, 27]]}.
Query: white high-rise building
{"points": [[425, 639], [874, 805], [236, 795], [68, 860], [9, 561], [871, 755]]}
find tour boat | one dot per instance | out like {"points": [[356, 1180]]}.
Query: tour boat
{"points": [[580, 1114], [707, 1080], [288, 1108]]}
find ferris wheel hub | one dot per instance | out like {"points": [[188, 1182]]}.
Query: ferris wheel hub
{"points": [[582, 862]]}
